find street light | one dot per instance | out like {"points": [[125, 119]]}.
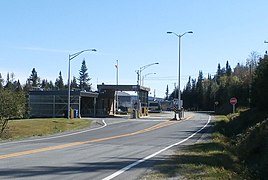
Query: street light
{"points": [[72, 56], [116, 92], [141, 69], [139, 81], [143, 77], [179, 70]]}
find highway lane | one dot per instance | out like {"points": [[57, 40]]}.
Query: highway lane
{"points": [[101, 153]]}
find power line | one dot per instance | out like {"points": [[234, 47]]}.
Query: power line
{"points": [[172, 78]]}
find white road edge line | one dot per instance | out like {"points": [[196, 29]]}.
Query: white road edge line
{"points": [[59, 136], [117, 173]]}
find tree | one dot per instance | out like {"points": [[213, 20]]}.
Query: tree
{"points": [[59, 82], [167, 93], [199, 90], [47, 85], [194, 94], [252, 60], [228, 69], [33, 79], [241, 71], [17, 86], [84, 77], [8, 83], [260, 85], [11, 84], [44, 84], [13, 105], [50, 85], [74, 84], [186, 95], [219, 73]]}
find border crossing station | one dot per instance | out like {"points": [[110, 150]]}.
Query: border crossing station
{"points": [[86, 104]]}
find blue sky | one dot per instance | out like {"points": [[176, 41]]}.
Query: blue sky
{"points": [[41, 34]]}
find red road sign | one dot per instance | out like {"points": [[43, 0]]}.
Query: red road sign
{"points": [[233, 100]]}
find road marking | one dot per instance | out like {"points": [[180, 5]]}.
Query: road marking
{"points": [[157, 126], [189, 117], [148, 120], [59, 136], [117, 173]]}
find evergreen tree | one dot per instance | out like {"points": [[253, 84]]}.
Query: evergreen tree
{"points": [[199, 90], [207, 90], [74, 84], [167, 93], [47, 85], [44, 84], [33, 79], [59, 82], [194, 95], [186, 95], [7, 81], [50, 85], [209, 77], [260, 85], [203, 93], [17, 86], [228, 69], [84, 77], [219, 73], [27, 87]]}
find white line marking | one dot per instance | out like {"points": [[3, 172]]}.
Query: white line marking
{"points": [[117, 173], [53, 137]]}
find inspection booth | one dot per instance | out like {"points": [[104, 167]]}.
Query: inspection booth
{"points": [[107, 97]]}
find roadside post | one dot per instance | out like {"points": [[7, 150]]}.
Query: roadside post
{"points": [[233, 101]]}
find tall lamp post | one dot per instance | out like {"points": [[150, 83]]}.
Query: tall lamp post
{"points": [[72, 56], [139, 81], [116, 92], [143, 77], [179, 70]]}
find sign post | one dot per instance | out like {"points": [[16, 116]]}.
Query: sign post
{"points": [[233, 101]]}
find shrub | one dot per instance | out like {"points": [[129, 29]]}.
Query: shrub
{"points": [[12, 106]]}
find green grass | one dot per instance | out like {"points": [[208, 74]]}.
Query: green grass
{"points": [[210, 160], [230, 154], [20, 129]]}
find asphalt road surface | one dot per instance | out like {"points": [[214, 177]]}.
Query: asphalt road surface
{"points": [[120, 148]]}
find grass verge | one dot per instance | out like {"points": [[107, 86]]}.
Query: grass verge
{"points": [[209, 160], [20, 129], [237, 150]]}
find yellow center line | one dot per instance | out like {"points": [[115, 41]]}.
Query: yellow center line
{"points": [[189, 117], [157, 126]]}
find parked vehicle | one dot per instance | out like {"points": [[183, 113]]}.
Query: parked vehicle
{"points": [[154, 107]]}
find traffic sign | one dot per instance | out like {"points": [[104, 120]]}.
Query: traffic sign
{"points": [[233, 100]]}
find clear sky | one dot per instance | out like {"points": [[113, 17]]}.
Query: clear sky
{"points": [[42, 33]]}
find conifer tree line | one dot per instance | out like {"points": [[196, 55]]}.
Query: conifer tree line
{"points": [[80, 83], [247, 82], [13, 95]]}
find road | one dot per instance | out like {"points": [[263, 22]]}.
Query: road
{"points": [[119, 149]]}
